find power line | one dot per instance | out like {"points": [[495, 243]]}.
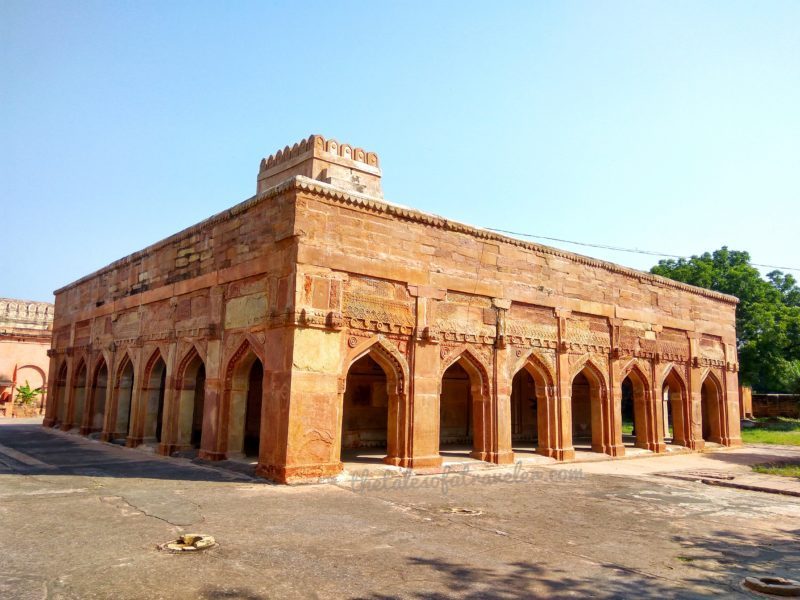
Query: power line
{"points": [[620, 249]]}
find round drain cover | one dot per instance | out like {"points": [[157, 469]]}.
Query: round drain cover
{"points": [[775, 586], [189, 542]]}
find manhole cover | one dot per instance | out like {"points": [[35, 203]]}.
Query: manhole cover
{"points": [[774, 586], [457, 510], [189, 542]]}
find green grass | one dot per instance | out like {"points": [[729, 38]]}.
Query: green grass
{"points": [[773, 430], [783, 469]]}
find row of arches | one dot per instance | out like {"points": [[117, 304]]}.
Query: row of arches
{"points": [[154, 403], [367, 420], [146, 412]]}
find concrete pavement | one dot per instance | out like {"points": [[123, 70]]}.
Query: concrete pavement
{"points": [[81, 519]]}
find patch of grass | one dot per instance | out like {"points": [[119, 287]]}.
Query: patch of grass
{"points": [[627, 427], [686, 559], [773, 430], [787, 469]]}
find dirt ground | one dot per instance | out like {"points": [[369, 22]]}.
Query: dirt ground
{"points": [[82, 519]]}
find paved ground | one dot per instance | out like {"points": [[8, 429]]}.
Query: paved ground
{"points": [[81, 519]]}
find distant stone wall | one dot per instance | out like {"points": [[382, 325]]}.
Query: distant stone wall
{"points": [[776, 405]]}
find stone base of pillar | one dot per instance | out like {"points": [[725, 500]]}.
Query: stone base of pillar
{"points": [[732, 442], [397, 461], [481, 455], [211, 455], [611, 449], [502, 458], [657, 447], [298, 474], [132, 442], [49, 423], [85, 430], [557, 453], [426, 462], [696, 445], [66, 426]]}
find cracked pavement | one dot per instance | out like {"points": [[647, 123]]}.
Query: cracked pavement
{"points": [[81, 519]]}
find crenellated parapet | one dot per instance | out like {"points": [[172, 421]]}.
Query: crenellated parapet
{"points": [[343, 166]]}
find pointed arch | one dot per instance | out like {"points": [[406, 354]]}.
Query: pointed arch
{"points": [[97, 395], [636, 405], [153, 396], [590, 410], [122, 399], [588, 366], [465, 404], [538, 367], [78, 391], [387, 355], [676, 406], [243, 401], [190, 401], [711, 408], [60, 392], [472, 364], [151, 363]]}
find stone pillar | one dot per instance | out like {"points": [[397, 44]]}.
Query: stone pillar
{"points": [[66, 425], [731, 419], [694, 417], [307, 409], [213, 444], [612, 410], [502, 452], [658, 416], [51, 410], [288, 420], [138, 407], [110, 415], [560, 404], [425, 384], [171, 415]]}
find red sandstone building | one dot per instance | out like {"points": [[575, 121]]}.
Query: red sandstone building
{"points": [[25, 335], [316, 317]]}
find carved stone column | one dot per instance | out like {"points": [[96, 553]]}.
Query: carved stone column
{"points": [[425, 383], [561, 402], [502, 452]]}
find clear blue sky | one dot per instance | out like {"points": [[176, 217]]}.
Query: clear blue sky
{"points": [[672, 126]]}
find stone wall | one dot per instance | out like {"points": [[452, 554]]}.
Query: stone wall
{"points": [[776, 405]]}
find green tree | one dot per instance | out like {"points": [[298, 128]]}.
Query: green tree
{"points": [[27, 395], [767, 317]]}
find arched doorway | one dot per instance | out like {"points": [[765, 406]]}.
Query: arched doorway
{"points": [[710, 411], [79, 395], [246, 398], [524, 412], [99, 388], [634, 409], [455, 410], [365, 412], [587, 424], [191, 404], [124, 394], [60, 394], [460, 412], [153, 397], [674, 398]]}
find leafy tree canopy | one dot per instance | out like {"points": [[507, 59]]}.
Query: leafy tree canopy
{"points": [[767, 317]]}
